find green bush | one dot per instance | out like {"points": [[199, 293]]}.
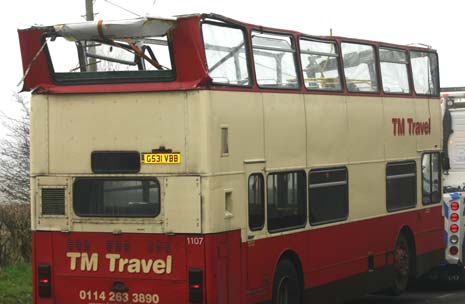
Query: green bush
{"points": [[15, 234], [16, 284]]}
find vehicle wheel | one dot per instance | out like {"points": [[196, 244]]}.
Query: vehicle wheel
{"points": [[286, 284], [403, 266]]}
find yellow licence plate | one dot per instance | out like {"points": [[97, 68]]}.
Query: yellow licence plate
{"points": [[161, 158]]}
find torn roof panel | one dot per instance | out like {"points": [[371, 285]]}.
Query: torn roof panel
{"points": [[118, 29]]}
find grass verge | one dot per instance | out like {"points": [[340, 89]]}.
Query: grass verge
{"points": [[16, 284]]}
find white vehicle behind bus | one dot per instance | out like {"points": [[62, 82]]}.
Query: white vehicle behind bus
{"points": [[453, 106]]}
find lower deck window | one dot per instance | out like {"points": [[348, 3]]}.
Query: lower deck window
{"points": [[401, 185], [116, 197], [328, 195], [286, 205], [431, 178], [256, 202]]}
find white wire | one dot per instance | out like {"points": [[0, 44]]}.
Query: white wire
{"points": [[123, 8]]}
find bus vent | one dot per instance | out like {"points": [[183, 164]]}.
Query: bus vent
{"points": [[53, 201]]}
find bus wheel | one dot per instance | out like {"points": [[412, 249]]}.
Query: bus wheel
{"points": [[402, 265], [286, 285]]}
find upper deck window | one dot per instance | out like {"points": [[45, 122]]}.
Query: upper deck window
{"points": [[113, 52], [394, 73], [359, 67], [320, 65], [274, 57], [425, 72], [226, 54]]}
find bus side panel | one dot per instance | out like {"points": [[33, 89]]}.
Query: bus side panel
{"points": [[429, 238], [349, 259], [223, 267]]}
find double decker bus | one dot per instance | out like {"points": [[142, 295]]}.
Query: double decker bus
{"points": [[200, 159]]}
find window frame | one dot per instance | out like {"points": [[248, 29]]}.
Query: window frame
{"points": [[304, 203], [296, 54], [415, 192], [337, 57], [376, 65], [248, 56], [436, 83], [125, 178], [407, 65], [256, 228], [118, 78], [431, 184], [327, 185]]}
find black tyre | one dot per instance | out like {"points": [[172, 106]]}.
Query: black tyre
{"points": [[403, 266], [287, 288]]}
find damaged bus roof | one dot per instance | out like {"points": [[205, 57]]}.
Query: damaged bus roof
{"points": [[112, 29], [118, 29]]}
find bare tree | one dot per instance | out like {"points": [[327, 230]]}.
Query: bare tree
{"points": [[14, 154]]}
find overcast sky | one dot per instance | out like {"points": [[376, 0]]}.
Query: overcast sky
{"points": [[439, 24]]}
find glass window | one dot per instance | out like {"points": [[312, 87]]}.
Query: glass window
{"points": [[401, 185], [274, 60], [431, 178], [394, 73], [286, 200], [105, 61], [116, 197], [226, 54], [328, 195], [256, 202], [320, 66], [359, 67], [425, 72]]}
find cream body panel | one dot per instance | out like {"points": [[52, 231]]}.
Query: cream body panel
{"points": [[425, 110], [181, 204], [80, 124], [367, 190], [436, 126], [273, 131], [285, 130], [399, 146], [242, 114], [327, 130], [197, 132], [39, 139], [217, 216], [365, 118]]}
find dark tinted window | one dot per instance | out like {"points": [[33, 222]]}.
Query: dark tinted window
{"points": [[256, 202], [431, 178], [115, 162], [116, 197], [328, 195], [401, 185], [286, 200]]}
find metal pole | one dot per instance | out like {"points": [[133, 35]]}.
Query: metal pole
{"points": [[89, 10], [90, 17]]}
